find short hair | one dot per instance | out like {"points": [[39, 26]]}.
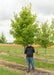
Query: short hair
{"points": [[29, 43]]}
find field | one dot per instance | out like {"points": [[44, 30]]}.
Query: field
{"points": [[41, 51], [8, 72], [6, 52]]}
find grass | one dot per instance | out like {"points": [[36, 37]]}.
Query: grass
{"points": [[39, 56], [16, 49], [48, 57], [38, 64], [8, 72], [42, 51], [15, 53], [21, 49]]}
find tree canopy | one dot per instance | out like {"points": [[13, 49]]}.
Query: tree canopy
{"points": [[24, 26], [45, 35], [3, 38]]}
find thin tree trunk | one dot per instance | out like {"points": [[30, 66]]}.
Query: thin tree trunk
{"points": [[24, 59], [45, 54]]}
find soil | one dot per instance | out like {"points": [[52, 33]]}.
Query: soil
{"points": [[20, 68], [36, 58], [46, 55], [23, 53]]}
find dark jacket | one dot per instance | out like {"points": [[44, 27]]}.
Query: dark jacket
{"points": [[29, 51]]}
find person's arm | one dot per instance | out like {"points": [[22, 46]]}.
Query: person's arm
{"points": [[24, 56], [33, 53]]}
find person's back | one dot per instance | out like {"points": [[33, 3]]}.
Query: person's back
{"points": [[29, 54]]}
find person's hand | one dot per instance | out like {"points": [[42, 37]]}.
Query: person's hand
{"points": [[33, 57], [24, 57]]}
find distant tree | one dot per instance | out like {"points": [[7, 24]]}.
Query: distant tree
{"points": [[52, 29], [44, 36], [3, 38], [24, 26]]}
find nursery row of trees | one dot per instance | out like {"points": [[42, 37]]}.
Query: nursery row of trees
{"points": [[26, 28]]}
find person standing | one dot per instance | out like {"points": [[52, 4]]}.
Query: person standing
{"points": [[29, 54]]}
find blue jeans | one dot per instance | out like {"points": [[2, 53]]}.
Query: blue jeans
{"points": [[30, 60]]}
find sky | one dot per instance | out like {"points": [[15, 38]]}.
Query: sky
{"points": [[43, 8]]}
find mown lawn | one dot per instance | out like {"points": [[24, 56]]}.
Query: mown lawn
{"points": [[38, 64], [8, 72]]}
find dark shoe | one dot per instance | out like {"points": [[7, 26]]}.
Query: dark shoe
{"points": [[28, 71]]}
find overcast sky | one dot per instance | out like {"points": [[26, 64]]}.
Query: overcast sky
{"points": [[43, 8]]}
